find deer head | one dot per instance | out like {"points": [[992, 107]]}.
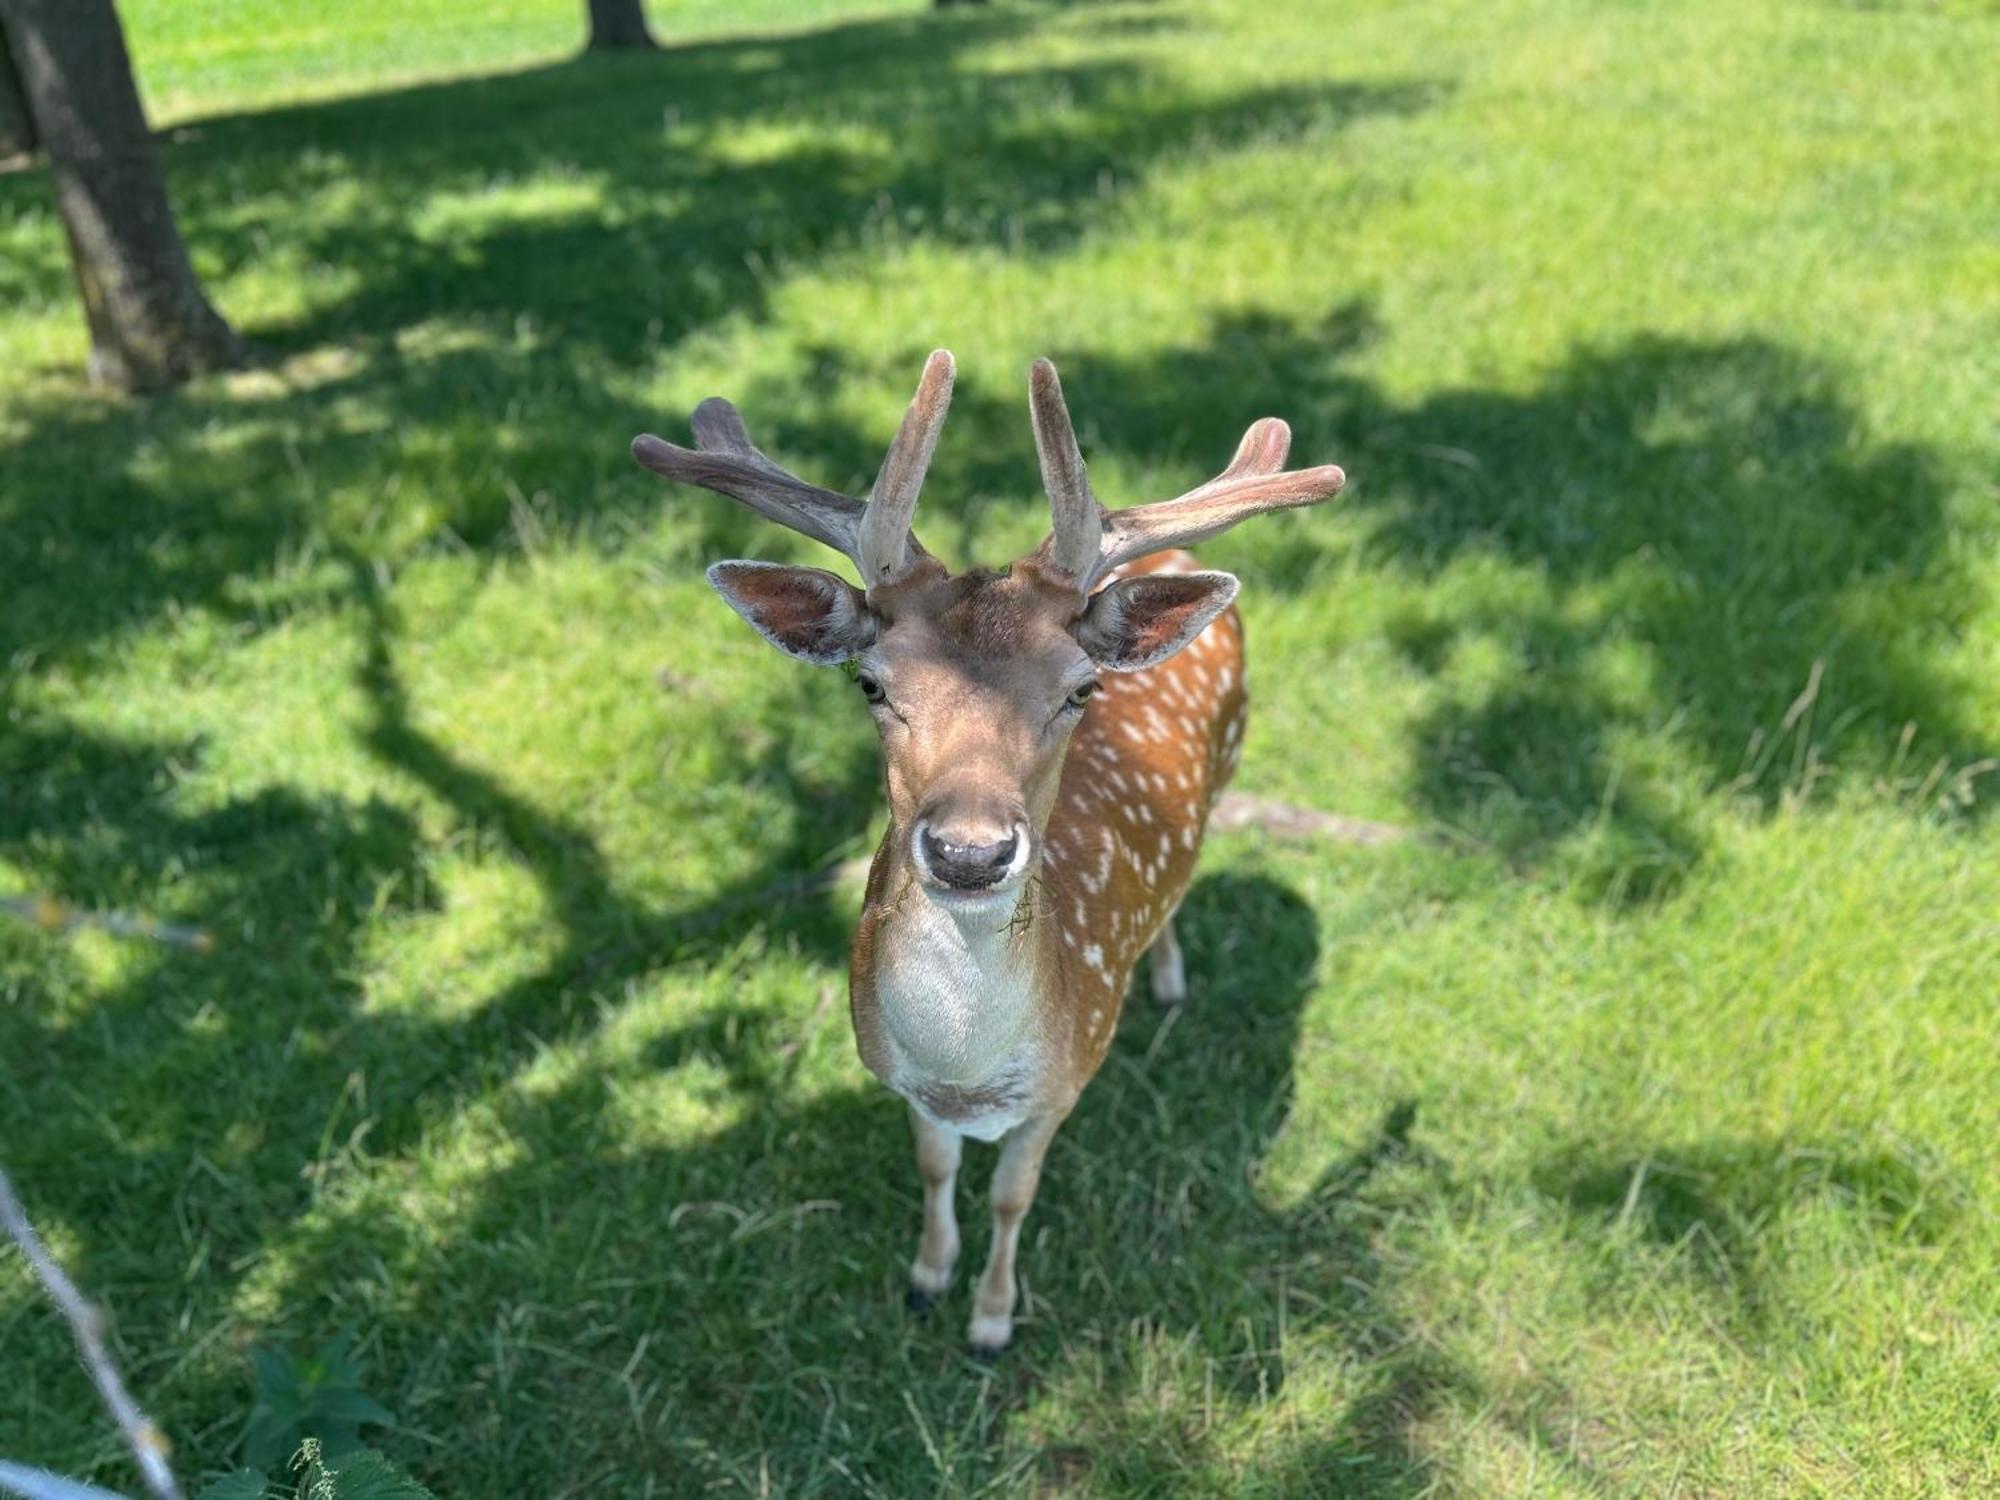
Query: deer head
{"points": [[975, 680]]}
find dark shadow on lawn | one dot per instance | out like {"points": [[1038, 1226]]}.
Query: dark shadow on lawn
{"points": [[210, 1098], [487, 364], [1718, 1206], [1706, 553], [1157, 1240], [278, 494], [204, 1103], [693, 1309], [677, 1314], [731, 1307]]}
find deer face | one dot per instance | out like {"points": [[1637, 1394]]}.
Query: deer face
{"points": [[974, 683]]}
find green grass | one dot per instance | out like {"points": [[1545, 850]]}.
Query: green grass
{"points": [[198, 57], [1636, 1140]]}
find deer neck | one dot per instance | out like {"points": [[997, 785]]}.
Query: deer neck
{"points": [[956, 990]]}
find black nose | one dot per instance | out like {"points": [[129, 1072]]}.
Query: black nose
{"points": [[969, 867]]}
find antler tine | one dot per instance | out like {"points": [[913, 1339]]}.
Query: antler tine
{"points": [[1254, 482], [875, 535], [1078, 525], [1087, 541], [885, 539], [1262, 450], [724, 461]]}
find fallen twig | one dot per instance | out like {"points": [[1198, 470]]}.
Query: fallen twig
{"points": [[1287, 820], [52, 915], [148, 1443]]}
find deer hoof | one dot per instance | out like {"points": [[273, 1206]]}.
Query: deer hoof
{"points": [[990, 1337], [918, 1301]]}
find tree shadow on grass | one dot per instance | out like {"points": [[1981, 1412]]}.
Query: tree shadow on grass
{"points": [[1672, 568], [687, 1305], [643, 1305], [495, 265], [469, 359], [218, 1099], [1718, 1210], [1168, 1268], [160, 1106], [695, 1306]]}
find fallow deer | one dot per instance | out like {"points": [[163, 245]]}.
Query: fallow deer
{"points": [[1054, 736]]}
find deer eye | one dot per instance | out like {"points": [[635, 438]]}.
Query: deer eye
{"points": [[1081, 695], [871, 687]]}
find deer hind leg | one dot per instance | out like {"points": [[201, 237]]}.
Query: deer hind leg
{"points": [[1168, 970], [1015, 1179], [938, 1152]]}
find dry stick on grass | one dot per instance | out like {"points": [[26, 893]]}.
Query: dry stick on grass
{"points": [[1287, 820], [148, 1444], [52, 915]]}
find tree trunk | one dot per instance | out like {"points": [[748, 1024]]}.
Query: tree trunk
{"points": [[150, 322], [17, 126], [618, 23]]}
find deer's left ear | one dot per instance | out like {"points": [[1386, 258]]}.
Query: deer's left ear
{"points": [[1139, 622], [809, 613]]}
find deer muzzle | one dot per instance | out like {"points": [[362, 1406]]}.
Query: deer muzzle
{"points": [[970, 856]]}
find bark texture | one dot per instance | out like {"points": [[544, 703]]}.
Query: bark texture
{"points": [[618, 24], [151, 324], [17, 126]]}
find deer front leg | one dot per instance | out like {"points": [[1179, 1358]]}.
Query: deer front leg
{"points": [[1169, 971], [1015, 1179], [938, 1152]]}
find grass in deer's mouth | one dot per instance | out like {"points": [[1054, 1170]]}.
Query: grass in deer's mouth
{"points": [[1659, 346]]}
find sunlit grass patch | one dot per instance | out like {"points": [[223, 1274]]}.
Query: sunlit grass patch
{"points": [[1622, 1129]]}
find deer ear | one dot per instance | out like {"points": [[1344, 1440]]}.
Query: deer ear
{"points": [[1139, 622], [805, 612]]}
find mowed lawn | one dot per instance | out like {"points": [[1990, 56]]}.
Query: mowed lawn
{"points": [[1630, 1133]]}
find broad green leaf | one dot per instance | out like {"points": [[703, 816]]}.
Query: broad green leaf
{"points": [[365, 1475]]}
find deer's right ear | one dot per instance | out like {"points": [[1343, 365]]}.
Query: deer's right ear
{"points": [[805, 612]]}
